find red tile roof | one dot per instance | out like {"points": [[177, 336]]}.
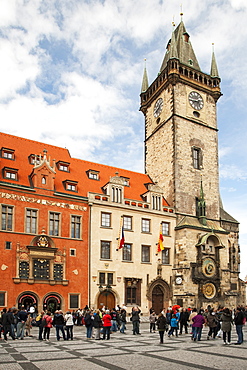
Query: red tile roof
{"points": [[77, 169]]}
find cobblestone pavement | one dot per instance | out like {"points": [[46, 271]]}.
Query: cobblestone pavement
{"points": [[123, 351]]}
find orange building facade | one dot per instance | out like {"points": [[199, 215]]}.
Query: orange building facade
{"points": [[44, 223]]}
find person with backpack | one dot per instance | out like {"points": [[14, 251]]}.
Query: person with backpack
{"points": [[7, 320], [89, 323], [39, 324], [47, 324], [161, 325], [114, 320]]}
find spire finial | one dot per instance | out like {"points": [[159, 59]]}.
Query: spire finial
{"points": [[181, 11], [212, 46], [145, 78]]}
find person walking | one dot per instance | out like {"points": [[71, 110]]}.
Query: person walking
{"points": [[40, 324], [97, 324], [89, 323], [69, 325], [106, 325], [211, 322], [198, 322], [174, 326], [135, 318], [47, 323], [7, 320], [152, 320], [22, 319], [226, 325], [239, 320], [59, 322], [183, 321], [161, 325], [122, 318]]}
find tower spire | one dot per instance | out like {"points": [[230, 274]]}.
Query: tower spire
{"points": [[202, 207], [214, 69], [144, 79]]}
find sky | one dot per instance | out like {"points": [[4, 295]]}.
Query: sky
{"points": [[71, 73]]}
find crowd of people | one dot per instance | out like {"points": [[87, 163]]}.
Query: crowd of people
{"points": [[218, 321], [100, 324]]}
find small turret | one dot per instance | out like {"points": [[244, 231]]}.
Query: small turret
{"points": [[145, 79], [214, 70]]}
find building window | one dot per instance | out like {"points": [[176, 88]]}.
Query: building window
{"points": [[197, 158], [54, 220], [31, 221], [43, 181], [106, 278], [105, 251], [35, 159], [105, 219], [7, 218], [127, 223], [166, 256], [10, 173], [71, 187], [24, 270], [116, 194], [145, 225], [41, 269], [3, 299], [58, 272], [165, 228], [72, 252], [145, 253], [63, 166], [131, 295], [8, 245], [156, 202], [74, 301], [8, 153], [76, 227], [93, 175], [127, 252]]}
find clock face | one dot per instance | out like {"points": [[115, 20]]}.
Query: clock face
{"points": [[209, 290], [158, 107], [208, 267], [196, 100], [179, 280]]}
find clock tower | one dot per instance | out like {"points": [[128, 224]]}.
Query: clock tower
{"points": [[181, 155]]}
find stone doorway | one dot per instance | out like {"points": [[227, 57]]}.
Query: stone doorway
{"points": [[27, 300], [157, 299], [106, 299]]}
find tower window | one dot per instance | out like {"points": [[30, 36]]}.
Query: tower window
{"points": [[197, 158]]}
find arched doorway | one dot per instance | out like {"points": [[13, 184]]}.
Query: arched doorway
{"points": [[26, 300], [157, 299], [52, 303], [106, 299]]}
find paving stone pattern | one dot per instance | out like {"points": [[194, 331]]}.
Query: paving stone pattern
{"points": [[123, 351]]}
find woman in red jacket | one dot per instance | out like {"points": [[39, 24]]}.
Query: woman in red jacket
{"points": [[106, 325], [48, 325]]}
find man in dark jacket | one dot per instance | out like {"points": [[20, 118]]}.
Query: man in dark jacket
{"points": [[135, 318], [7, 320], [59, 322], [22, 316], [183, 321], [239, 320]]}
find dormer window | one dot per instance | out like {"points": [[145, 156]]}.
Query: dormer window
{"points": [[43, 181], [156, 202], [93, 175], [116, 194], [63, 166], [10, 173], [70, 185], [126, 181], [34, 158], [8, 153]]}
